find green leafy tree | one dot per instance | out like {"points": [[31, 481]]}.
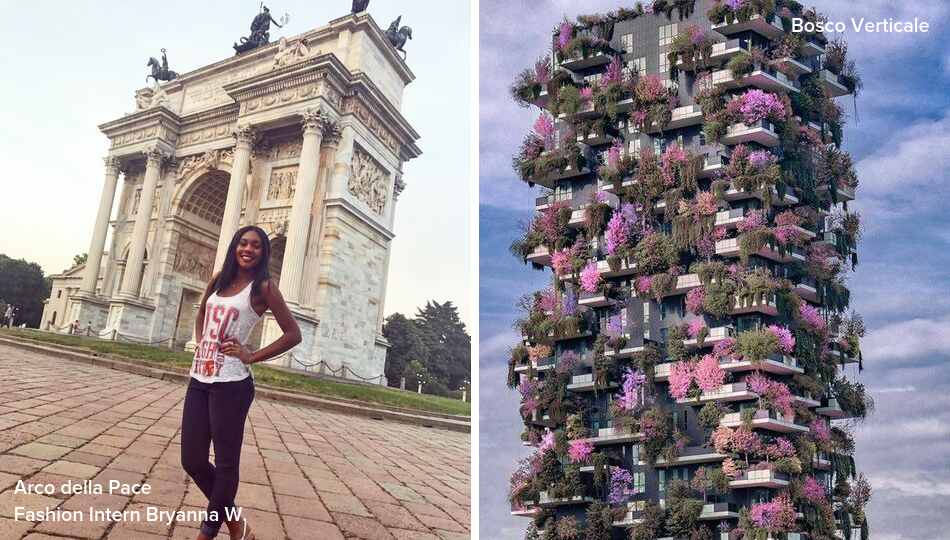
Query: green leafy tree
{"points": [[414, 372], [22, 284], [449, 345], [405, 344], [80, 259]]}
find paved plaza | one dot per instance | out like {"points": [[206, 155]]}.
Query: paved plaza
{"points": [[305, 473]]}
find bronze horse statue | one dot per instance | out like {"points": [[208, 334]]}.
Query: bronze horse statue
{"points": [[398, 36], [160, 71]]}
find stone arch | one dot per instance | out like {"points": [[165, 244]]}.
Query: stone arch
{"points": [[204, 195]]}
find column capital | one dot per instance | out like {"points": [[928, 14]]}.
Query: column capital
{"points": [[112, 165], [313, 120], [154, 157], [331, 134], [244, 133]]}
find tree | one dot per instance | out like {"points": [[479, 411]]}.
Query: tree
{"points": [[449, 345], [415, 372], [80, 259], [406, 344], [22, 284]]}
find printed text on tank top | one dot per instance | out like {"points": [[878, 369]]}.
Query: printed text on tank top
{"points": [[225, 316]]}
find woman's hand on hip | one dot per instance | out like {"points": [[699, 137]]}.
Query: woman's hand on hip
{"points": [[233, 347]]}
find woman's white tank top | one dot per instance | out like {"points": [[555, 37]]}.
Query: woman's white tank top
{"points": [[224, 317]]}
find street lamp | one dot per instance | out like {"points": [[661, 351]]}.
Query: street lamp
{"points": [[464, 388], [419, 377]]}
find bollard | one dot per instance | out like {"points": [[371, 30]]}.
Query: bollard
{"points": [[402, 383], [463, 395], [419, 391]]}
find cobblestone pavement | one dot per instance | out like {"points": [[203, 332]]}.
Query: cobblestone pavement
{"points": [[305, 473]]}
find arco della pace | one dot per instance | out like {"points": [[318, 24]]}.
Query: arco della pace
{"points": [[303, 137]]}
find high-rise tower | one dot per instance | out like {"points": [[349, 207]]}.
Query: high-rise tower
{"points": [[690, 371]]}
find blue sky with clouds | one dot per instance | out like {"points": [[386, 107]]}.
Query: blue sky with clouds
{"points": [[901, 145]]}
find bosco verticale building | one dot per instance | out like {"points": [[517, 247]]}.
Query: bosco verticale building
{"points": [[690, 371]]}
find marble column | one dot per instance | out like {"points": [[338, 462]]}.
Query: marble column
{"points": [[97, 245], [161, 221], [244, 137], [295, 251], [331, 140], [132, 281]]}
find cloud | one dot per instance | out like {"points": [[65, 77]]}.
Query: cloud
{"points": [[906, 341]]}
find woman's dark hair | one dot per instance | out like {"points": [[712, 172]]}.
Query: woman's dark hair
{"points": [[230, 267]]}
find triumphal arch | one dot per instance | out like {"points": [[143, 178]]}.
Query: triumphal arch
{"points": [[303, 137]]}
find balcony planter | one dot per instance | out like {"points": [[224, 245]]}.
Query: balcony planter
{"points": [[732, 24], [762, 132], [554, 165]]}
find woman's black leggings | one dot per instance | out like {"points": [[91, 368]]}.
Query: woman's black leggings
{"points": [[215, 412]]}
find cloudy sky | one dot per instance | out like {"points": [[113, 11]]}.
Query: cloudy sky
{"points": [[70, 66], [901, 145]]}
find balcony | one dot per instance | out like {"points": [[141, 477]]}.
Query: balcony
{"points": [[549, 502], [811, 48], [541, 255], [761, 132], [777, 363], [549, 179], [578, 218], [730, 218], [688, 115], [716, 335], [585, 383], [764, 420], [759, 303], [719, 511], [821, 131], [845, 193], [764, 79], [725, 393], [733, 194], [730, 248], [542, 100], [805, 287], [721, 52], [843, 357], [806, 401], [594, 300], [795, 66], [626, 352], [585, 112], [685, 282], [835, 240], [690, 456], [613, 436], [610, 188], [626, 267], [544, 364], [756, 23], [764, 478], [831, 409], [581, 61], [831, 82], [595, 139], [822, 461], [524, 511], [716, 163]]}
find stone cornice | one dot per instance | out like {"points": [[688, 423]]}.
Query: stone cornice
{"points": [[322, 67], [363, 89], [159, 116]]}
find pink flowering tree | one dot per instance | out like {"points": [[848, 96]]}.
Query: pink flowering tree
{"points": [[722, 439], [772, 517], [628, 399], [681, 378], [621, 486], [814, 491], [753, 221], [695, 299], [746, 441], [756, 105], [569, 361], [616, 234], [579, 451], [786, 341], [547, 441], [590, 278], [811, 317], [709, 376]]}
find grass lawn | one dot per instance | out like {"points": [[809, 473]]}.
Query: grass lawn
{"points": [[262, 374]]}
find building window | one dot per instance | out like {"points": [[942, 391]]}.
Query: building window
{"points": [[667, 33], [661, 476], [638, 66], [626, 43], [664, 63], [59, 293], [639, 484], [662, 307]]}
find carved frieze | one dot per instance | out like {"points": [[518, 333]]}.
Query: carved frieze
{"points": [[283, 149], [282, 183], [293, 95], [212, 159], [289, 52], [353, 105], [143, 134], [206, 134], [398, 186], [369, 181], [194, 259]]}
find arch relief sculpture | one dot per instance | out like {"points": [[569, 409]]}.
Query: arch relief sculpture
{"points": [[369, 181]]}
